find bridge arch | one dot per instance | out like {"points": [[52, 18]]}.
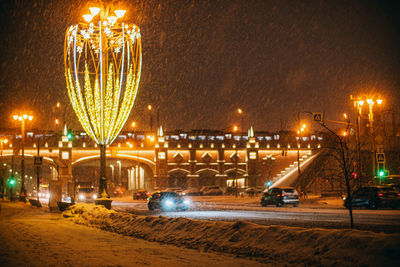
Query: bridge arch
{"points": [[178, 178], [207, 176]]}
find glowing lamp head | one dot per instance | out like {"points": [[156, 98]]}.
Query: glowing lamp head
{"points": [[240, 111], [361, 102], [5, 141], [149, 107], [25, 116], [345, 115], [88, 18], [120, 13], [379, 101], [235, 128], [15, 117], [20, 118], [94, 10], [112, 19], [30, 118], [370, 101]]}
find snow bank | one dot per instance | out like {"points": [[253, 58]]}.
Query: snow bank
{"points": [[273, 243]]}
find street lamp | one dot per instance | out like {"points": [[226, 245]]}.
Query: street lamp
{"points": [[358, 103], [299, 131], [149, 108], [240, 112], [103, 59], [22, 118]]}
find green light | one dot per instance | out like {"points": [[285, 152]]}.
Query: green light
{"points": [[11, 182], [381, 173]]}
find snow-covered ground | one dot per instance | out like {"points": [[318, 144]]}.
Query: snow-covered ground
{"points": [[35, 237], [272, 244]]}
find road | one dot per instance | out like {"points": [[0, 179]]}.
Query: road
{"points": [[309, 216]]}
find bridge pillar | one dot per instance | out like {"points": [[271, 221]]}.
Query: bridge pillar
{"points": [[253, 175], [64, 185], [161, 157], [193, 178], [221, 177]]}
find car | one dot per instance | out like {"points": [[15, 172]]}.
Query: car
{"points": [[280, 196], [168, 201], [373, 197], [211, 190], [86, 194], [192, 192], [253, 191], [177, 190], [141, 194]]}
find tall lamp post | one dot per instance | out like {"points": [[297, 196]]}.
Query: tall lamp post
{"points": [[299, 131], [22, 118], [359, 103], [103, 59]]}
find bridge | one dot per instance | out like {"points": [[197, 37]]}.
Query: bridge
{"points": [[175, 159]]}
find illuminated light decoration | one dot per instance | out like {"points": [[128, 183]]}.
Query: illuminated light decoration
{"points": [[103, 59], [102, 69]]}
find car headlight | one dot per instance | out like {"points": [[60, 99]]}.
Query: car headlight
{"points": [[187, 202], [169, 203], [81, 197]]}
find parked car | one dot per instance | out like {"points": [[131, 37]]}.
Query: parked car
{"points": [[168, 201], [141, 194], [373, 197], [253, 191], [192, 192], [86, 194], [177, 190], [211, 190], [280, 196]]}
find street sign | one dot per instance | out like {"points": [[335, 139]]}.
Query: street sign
{"points": [[317, 116], [37, 161], [380, 157]]}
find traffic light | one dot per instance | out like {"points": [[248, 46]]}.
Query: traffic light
{"points": [[70, 135], [269, 183], [11, 181], [383, 173]]}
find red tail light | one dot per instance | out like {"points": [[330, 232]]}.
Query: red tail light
{"points": [[147, 193], [138, 194], [398, 194], [380, 194], [282, 195]]}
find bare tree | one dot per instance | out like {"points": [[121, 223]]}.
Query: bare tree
{"points": [[345, 154]]}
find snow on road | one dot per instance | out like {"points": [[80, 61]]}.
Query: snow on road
{"points": [[33, 237]]}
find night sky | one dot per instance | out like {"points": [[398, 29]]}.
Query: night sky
{"points": [[202, 59]]}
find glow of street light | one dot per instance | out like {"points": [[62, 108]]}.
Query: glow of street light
{"points": [[120, 13], [361, 102], [88, 17], [56, 121], [133, 124], [15, 117], [379, 101], [370, 101], [240, 111], [112, 19], [94, 10], [58, 104], [20, 118], [149, 107], [25, 116], [30, 118], [235, 128], [345, 115]]}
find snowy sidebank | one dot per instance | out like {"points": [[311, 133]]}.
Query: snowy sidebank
{"points": [[267, 244]]}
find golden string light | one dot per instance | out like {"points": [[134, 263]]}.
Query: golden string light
{"points": [[103, 61]]}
